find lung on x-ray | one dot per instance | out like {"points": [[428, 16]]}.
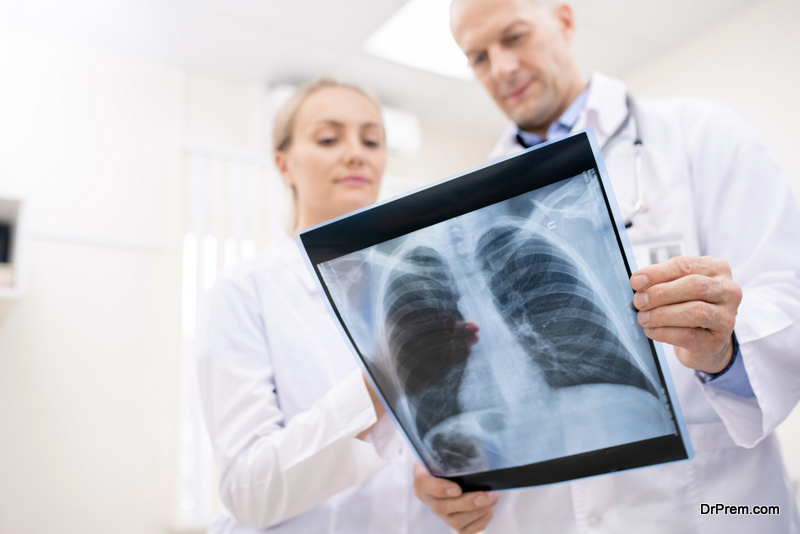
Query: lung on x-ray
{"points": [[502, 338]]}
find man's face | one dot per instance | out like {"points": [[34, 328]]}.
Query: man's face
{"points": [[519, 50]]}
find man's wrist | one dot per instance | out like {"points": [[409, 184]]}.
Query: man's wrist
{"points": [[733, 378], [726, 362]]}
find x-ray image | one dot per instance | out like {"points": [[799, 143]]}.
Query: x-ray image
{"points": [[505, 336]]}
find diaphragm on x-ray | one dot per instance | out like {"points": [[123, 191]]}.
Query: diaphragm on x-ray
{"points": [[505, 336]]}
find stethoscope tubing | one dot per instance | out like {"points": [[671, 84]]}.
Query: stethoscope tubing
{"points": [[639, 204]]}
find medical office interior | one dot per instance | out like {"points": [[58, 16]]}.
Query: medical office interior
{"points": [[135, 165]]}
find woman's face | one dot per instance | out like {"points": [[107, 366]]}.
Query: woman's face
{"points": [[337, 155]]}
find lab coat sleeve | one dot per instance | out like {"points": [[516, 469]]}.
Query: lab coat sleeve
{"points": [[748, 216], [272, 469]]}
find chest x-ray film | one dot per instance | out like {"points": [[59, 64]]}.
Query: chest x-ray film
{"points": [[492, 313]]}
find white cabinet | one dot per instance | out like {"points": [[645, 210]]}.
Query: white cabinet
{"points": [[13, 241]]}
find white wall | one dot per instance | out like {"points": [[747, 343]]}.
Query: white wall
{"points": [[88, 372], [751, 62]]}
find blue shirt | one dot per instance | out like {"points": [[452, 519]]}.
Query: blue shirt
{"points": [[733, 378], [561, 127]]}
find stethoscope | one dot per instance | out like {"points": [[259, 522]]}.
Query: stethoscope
{"points": [[639, 205]]}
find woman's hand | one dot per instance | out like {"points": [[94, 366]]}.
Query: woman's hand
{"points": [[468, 513]]}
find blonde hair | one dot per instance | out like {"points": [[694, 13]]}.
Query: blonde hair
{"points": [[285, 116]]}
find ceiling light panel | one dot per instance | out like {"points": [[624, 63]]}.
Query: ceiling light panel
{"points": [[418, 36]]}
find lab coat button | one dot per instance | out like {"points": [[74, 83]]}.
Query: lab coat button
{"points": [[594, 519]]}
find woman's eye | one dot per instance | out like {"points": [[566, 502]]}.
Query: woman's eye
{"points": [[371, 144], [326, 141]]}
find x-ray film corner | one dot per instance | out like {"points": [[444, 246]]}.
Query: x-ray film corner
{"points": [[503, 337]]}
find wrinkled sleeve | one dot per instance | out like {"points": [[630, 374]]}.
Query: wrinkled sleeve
{"points": [[749, 217], [272, 469]]}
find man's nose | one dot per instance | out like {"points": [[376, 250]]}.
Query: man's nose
{"points": [[503, 61]]}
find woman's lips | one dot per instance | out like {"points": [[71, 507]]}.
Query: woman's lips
{"points": [[516, 93], [354, 179]]}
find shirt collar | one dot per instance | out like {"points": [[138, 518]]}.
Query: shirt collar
{"points": [[573, 111], [562, 126]]}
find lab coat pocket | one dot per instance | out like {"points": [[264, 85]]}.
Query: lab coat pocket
{"points": [[657, 499]]}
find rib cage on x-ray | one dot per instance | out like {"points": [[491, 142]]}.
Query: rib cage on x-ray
{"points": [[548, 323], [553, 311]]}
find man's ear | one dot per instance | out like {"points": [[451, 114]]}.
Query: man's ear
{"points": [[281, 162], [566, 21]]}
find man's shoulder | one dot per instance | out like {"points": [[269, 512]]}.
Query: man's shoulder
{"points": [[683, 108], [693, 119]]}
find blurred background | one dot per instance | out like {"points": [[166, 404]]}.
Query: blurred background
{"points": [[135, 164]]}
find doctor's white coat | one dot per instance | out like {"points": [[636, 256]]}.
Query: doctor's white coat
{"points": [[712, 190]]}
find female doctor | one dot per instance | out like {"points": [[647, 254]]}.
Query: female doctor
{"points": [[300, 440]]}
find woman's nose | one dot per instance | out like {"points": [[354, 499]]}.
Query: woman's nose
{"points": [[354, 152]]}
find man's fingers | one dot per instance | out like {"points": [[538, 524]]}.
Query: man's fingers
{"points": [[689, 288], [696, 348], [429, 487], [675, 268], [690, 315], [691, 339], [478, 524]]}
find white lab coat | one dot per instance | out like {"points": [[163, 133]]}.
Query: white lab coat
{"points": [[283, 400], [713, 190]]}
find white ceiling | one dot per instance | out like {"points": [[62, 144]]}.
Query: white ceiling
{"points": [[294, 40]]}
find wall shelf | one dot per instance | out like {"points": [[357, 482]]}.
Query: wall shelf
{"points": [[12, 215]]}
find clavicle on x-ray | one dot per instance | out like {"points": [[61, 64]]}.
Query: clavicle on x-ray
{"points": [[495, 342]]}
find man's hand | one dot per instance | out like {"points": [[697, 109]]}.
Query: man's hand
{"points": [[468, 513], [690, 303]]}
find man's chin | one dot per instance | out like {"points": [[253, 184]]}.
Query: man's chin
{"points": [[526, 123], [526, 119]]}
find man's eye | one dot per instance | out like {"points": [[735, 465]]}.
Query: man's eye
{"points": [[326, 141], [371, 144], [480, 58], [515, 38]]}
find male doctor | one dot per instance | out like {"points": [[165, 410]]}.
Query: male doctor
{"points": [[726, 302]]}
